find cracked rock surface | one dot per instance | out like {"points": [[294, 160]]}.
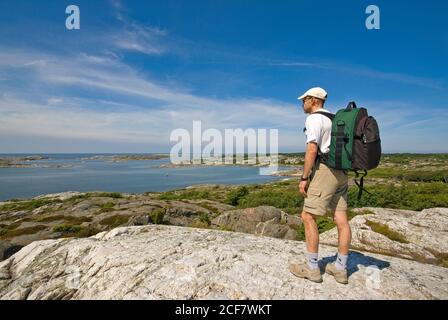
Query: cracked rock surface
{"points": [[416, 235], [171, 262]]}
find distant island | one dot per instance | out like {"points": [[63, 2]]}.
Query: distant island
{"points": [[127, 157], [18, 161], [15, 162]]}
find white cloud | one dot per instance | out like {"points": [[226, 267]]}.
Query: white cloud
{"points": [[55, 101], [98, 119], [126, 107]]}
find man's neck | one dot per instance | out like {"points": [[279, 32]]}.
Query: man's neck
{"points": [[315, 109]]}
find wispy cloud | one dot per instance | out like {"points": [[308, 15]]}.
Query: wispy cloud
{"points": [[159, 110], [151, 110], [135, 36], [365, 72], [141, 39]]}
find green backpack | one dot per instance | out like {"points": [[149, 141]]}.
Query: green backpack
{"points": [[355, 142]]}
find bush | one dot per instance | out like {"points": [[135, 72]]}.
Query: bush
{"points": [[234, 196], [115, 195], [67, 228], [157, 216], [205, 218]]}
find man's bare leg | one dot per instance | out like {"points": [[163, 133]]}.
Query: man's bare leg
{"points": [[311, 232], [344, 232], [339, 268], [309, 270]]}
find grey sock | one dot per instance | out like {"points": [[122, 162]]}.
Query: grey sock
{"points": [[312, 260], [341, 261]]}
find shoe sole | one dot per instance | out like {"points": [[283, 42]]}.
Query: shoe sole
{"points": [[332, 274]]}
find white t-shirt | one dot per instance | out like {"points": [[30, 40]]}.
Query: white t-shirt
{"points": [[318, 129]]}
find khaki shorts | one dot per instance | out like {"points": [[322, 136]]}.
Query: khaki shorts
{"points": [[327, 191]]}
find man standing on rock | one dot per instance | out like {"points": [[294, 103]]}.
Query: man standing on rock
{"points": [[323, 188]]}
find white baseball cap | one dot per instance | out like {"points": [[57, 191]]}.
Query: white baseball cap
{"points": [[315, 92]]}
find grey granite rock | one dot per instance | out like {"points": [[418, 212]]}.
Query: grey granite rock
{"points": [[422, 235], [263, 220], [169, 262]]}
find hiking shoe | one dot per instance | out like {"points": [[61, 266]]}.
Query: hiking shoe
{"points": [[304, 271], [339, 275]]}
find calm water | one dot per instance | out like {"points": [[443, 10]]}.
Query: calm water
{"points": [[127, 176]]}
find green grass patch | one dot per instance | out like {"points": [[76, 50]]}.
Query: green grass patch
{"points": [[209, 207], [106, 207], [115, 195], [407, 158], [225, 228], [386, 231], [27, 205], [10, 226], [71, 219], [409, 175], [287, 199], [405, 196], [22, 231], [114, 221], [185, 194], [200, 224], [69, 230]]}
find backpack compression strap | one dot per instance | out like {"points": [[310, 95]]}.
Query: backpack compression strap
{"points": [[360, 184]]}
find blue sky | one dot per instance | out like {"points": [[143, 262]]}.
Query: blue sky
{"points": [[137, 70]]}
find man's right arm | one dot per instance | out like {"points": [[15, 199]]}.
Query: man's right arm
{"points": [[310, 158]]}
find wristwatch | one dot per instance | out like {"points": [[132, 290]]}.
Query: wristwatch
{"points": [[303, 179]]}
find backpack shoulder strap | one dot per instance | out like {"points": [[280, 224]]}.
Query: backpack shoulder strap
{"points": [[327, 114]]}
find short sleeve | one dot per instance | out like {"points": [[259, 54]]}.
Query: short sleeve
{"points": [[313, 130]]}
